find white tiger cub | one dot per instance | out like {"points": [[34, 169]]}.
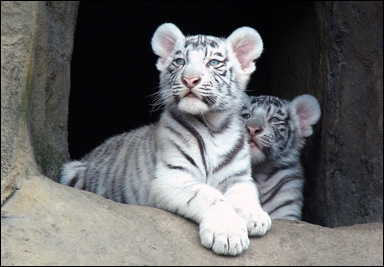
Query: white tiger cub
{"points": [[195, 160], [277, 129]]}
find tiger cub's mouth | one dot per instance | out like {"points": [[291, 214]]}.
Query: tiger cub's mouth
{"points": [[192, 103], [191, 95], [254, 145]]}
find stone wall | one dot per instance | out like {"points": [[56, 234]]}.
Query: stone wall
{"points": [[16, 49], [48, 109], [335, 52], [36, 49], [351, 171]]}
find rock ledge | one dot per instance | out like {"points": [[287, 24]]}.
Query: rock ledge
{"points": [[45, 223]]}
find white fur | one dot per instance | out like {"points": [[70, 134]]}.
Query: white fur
{"points": [[194, 161]]}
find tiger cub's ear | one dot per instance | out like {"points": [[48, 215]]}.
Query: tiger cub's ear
{"points": [[163, 42], [247, 46], [307, 109]]}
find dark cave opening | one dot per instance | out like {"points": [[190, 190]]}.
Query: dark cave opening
{"points": [[113, 72]]}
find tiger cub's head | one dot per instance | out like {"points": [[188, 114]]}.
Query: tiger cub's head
{"points": [[277, 128], [202, 73]]}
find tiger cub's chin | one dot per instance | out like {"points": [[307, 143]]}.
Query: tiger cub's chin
{"points": [[192, 105], [257, 156]]}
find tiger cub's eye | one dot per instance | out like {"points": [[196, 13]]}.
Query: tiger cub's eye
{"points": [[274, 119], [245, 115], [180, 61], [213, 62]]}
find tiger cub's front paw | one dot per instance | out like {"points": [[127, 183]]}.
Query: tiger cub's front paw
{"points": [[225, 237], [258, 223]]}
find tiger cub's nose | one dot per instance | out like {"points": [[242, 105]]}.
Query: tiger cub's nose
{"points": [[191, 82], [254, 130], [255, 126]]}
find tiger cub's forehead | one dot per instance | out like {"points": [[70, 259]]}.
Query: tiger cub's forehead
{"points": [[266, 100], [267, 103], [204, 46], [199, 48], [202, 42]]}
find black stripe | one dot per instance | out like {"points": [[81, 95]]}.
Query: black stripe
{"points": [[223, 126], [74, 180], [228, 157], [286, 203], [289, 166], [209, 100], [110, 172], [138, 172], [175, 132], [174, 167], [123, 198], [230, 180], [111, 181], [189, 158], [153, 148], [84, 185], [202, 121], [192, 198], [277, 188], [193, 131], [217, 200], [232, 176], [112, 192], [95, 160], [126, 161], [213, 43], [216, 130]]}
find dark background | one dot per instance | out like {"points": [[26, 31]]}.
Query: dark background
{"points": [[113, 72]]}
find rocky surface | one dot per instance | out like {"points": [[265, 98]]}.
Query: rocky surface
{"points": [[36, 49], [45, 223]]}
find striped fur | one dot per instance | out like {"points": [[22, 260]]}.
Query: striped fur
{"points": [[195, 160], [277, 129]]}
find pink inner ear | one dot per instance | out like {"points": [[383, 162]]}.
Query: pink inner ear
{"points": [[243, 54], [164, 49], [167, 44], [305, 114]]}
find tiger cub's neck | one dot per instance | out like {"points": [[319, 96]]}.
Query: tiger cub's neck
{"points": [[213, 121]]}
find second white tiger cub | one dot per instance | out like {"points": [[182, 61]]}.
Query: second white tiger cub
{"points": [[277, 129], [195, 160]]}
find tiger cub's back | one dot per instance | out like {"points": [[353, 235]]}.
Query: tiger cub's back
{"points": [[277, 129], [106, 169]]}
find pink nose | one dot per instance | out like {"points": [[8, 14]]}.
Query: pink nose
{"points": [[191, 82], [254, 130]]}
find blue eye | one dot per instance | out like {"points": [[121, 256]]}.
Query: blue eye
{"points": [[246, 116], [274, 119], [180, 61], [214, 62]]}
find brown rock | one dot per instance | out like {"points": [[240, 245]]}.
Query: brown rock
{"points": [[46, 223]]}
